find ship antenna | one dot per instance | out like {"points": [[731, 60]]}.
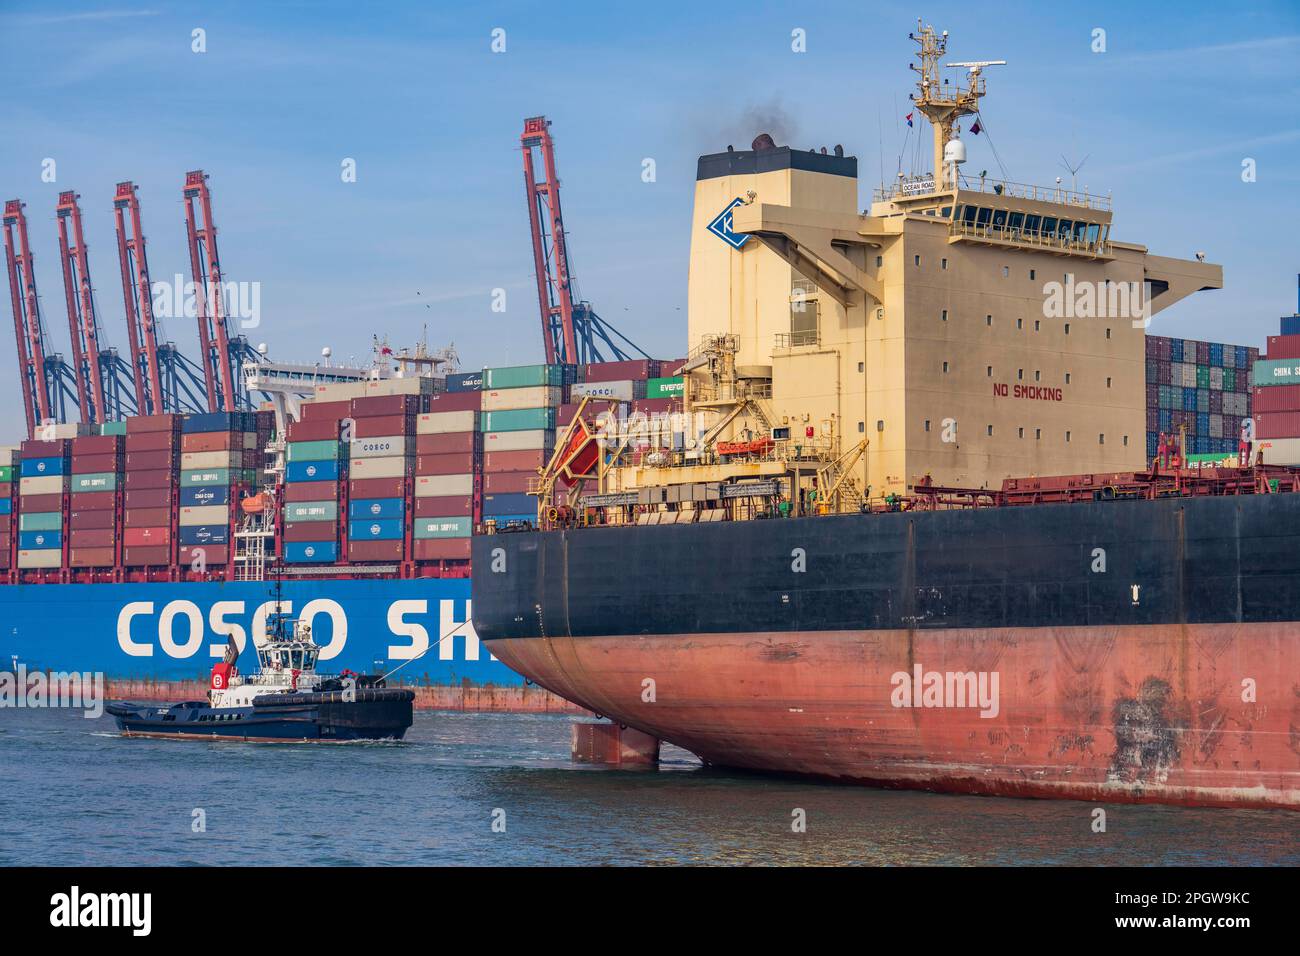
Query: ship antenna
{"points": [[1073, 169]]}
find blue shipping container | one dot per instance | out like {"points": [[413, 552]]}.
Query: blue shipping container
{"points": [[311, 552], [1175, 350], [204, 534], [40, 467], [510, 504], [465, 382], [39, 540], [1291, 325], [220, 422], [377, 508], [6, 506], [311, 471], [531, 518], [207, 495], [380, 529]]}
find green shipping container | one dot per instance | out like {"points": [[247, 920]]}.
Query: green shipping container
{"points": [[41, 521], [1202, 376], [100, 481], [1276, 372], [112, 428], [6, 474], [202, 477], [1229, 379], [443, 527], [312, 511], [519, 420], [665, 387], [523, 376], [326, 450]]}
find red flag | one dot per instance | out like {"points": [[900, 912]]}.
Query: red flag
{"points": [[975, 128]]}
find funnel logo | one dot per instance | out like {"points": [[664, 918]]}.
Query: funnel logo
{"points": [[309, 551], [376, 508], [721, 227], [375, 530], [40, 466], [311, 471]]}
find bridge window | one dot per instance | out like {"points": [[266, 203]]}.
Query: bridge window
{"points": [[983, 217], [968, 214], [999, 219], [1094, 233], [1063, 229], [1032, 223], [1049, 225], [1017, 221]]}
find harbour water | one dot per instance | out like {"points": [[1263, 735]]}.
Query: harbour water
{"points": [[75, 793]]}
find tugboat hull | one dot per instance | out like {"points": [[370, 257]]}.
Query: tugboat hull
{"points": [[371, 714]]}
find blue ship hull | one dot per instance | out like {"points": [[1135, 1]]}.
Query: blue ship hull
{"points": [[166, 631]]}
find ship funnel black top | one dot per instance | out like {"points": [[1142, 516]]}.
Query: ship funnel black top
{"points": [[769, 158]]}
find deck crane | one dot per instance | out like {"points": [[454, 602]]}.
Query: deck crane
{"points": [[49, 383], [165, 380], [573, 332], [105, 387], [223, 354]]}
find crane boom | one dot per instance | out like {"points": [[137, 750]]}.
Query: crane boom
{"points": [[83, 324], [219, 371], [22, 292], [137, 295]]}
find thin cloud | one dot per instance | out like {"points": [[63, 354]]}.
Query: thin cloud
{"points": [[1240, 46], [86, 15], [1206, 152]]}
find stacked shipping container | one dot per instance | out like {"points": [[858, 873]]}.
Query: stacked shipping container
{"points": [[94, 504], [8, 495], [46, 470], [448, 473], [1201, 385], [314, 485], [220, 462], [151, 478], [382, 454], [520, 406], [1276, 391]]}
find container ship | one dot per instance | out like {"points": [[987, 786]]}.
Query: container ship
{"points": [[928, 520]]}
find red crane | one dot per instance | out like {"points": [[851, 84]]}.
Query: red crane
{"points": [[27, 321], [137, 296], [83, 326], [571, 329], [219, 370]]}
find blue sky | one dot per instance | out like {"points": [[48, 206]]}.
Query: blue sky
{"points": [[437, 219]]}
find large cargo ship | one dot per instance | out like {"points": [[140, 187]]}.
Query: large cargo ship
{"points": [[836, 571]]}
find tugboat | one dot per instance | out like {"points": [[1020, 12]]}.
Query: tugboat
{"points": [[286, 701]]}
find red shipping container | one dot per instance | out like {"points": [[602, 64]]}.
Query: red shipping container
{"points": [[620, 371], [34, 504], [151, 441], [37, 448], [1276, 398], [6, 521], [455, 402], [657, 406], [153, 423], [377, 488], [149, 478], [139, 556], [92, 520], [296, 491], [514, 460], [96, 445], [144, 518], [92, 500], [1278, 424], [91, 557], [384, 426], [326, 429], [148, 498], [668, 368], [375, 405], [311, 531], [442, 549], [7, 489], [507, 482], [1283, 347], [462, 464], [4, 555], [375, 550], [445, 506], [146, 537], [92, 537], [325, 411], [211, 554], [449, 443], [96, 464], [145, 460], [212, 441]]}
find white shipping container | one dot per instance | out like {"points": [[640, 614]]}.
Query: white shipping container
{"points": [[8, 456], [436, 486], [398, 386], [390, 446], [205, 514], [42, 484], [339, 392], [1280, 451], [380, 468], [211, 459], [512, 399], [40, 558], [446, 423], [620, 391], [531, 440]]}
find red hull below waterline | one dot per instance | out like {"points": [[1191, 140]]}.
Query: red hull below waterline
{"points": [[1195, 715]]}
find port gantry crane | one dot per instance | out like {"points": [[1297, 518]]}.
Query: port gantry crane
{"points": [[49, 383], [165, 380], [574, 334], [105, 386], [223, 353]]}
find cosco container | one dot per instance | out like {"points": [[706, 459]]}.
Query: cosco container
{"points": [[311, 552], [105, 481], [376, 508], [448, 527], [388, 446], [33, 540], [311, 471], [43, 467], [375, 529], [312, 511]]}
